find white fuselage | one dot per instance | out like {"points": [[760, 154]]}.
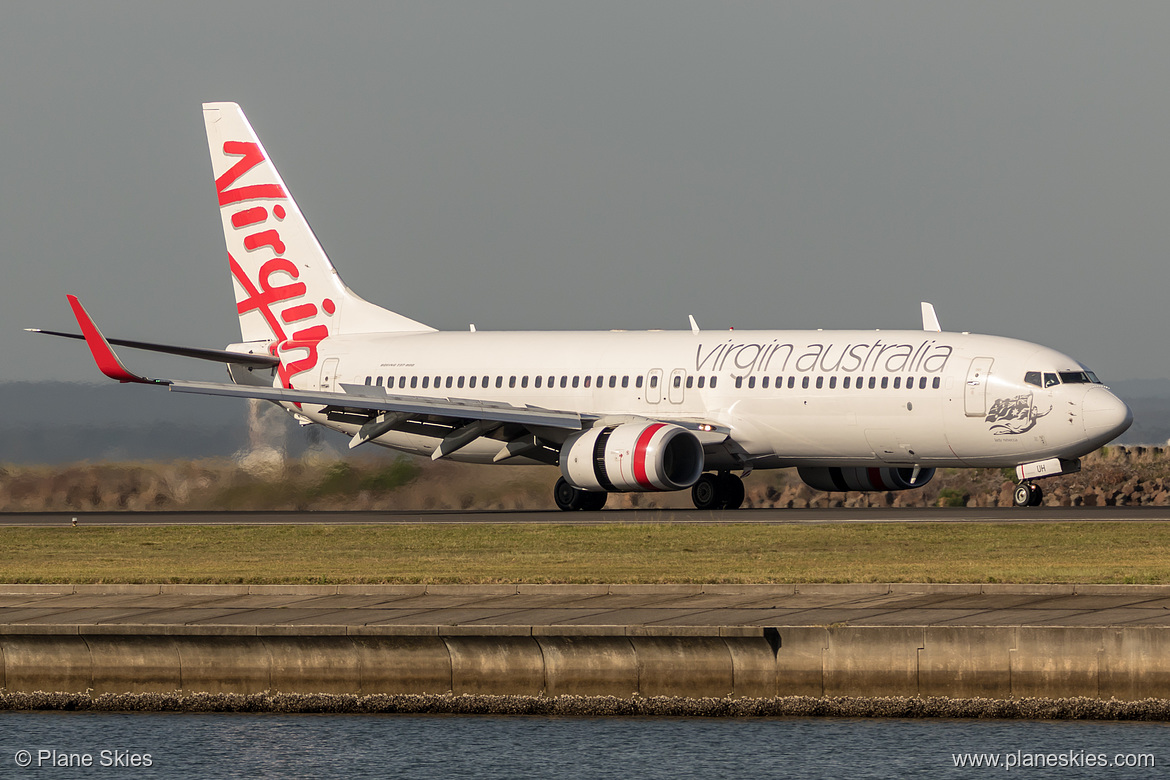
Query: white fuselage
{"points": [[789, 398]]}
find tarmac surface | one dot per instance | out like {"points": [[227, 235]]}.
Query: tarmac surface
{"points": [[626, 516], [584, 609]]}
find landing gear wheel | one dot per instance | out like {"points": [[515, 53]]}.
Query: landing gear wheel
{"points": [[1037, 496], [705, 493], [1027, 494], [732, 488], [570, 499], [718, 491]]}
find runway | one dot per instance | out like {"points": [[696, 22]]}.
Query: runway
{"points": [[623, 516]]}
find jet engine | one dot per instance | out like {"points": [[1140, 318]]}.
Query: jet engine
{"points": [[834, 479], [632, 457]]}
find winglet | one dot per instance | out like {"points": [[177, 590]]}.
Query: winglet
{"points": [[103, 353], [929, 318]]}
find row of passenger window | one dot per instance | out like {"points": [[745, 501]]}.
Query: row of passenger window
{"points": [[415, 382], [846, 382]]}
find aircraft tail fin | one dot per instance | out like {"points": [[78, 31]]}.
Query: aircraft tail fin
{"points": [[286, 288]]}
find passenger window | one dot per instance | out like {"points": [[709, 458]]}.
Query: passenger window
{"points": [[402, 381], [885, 382], [738, 382], [378, 382], [791, 382], [625, 381], [832, 382], [536, 382], [587, 380], [637, 381], [654, 381], [524, 381], [576, 381], [449, 381], [701, 382], [935, 383], [600, 381], [764, 383], [564, 381], [713, 382], [845, 383], [499, 381], [369, 380], [1050, 380], [426, 382], [691, 382], [820, 382], [471, 381], [511, 381], [922, 383], [459, 382], [552, 381], [414, 381], [897, 383], [804, 383], [751, 382], [872, 382], [613, 381], [1033, 378]]}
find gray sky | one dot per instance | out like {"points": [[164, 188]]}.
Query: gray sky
{"points": [[595, 165]]}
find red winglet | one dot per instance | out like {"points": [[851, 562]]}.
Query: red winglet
{"points": [[103, 354]]}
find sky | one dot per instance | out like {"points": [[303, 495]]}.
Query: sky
{"points": [[596, 165]]}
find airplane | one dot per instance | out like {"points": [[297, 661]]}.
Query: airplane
{"points": [[620, 411]]}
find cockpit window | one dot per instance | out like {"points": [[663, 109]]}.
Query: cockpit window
{"points": [[1076, 378], [1050, 380], [1033, 378]]}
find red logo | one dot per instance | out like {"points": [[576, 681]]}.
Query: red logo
{"points": [[278, 300]]}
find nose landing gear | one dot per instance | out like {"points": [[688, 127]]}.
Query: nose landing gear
{"points": [[1027, 494]]}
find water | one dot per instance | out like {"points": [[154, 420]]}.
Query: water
{"points": [[490, 747]]}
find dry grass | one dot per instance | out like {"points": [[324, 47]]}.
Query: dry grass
{"points": [[1023, 553]]}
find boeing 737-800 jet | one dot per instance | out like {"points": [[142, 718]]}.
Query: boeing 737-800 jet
{"points": [[622, 411]]}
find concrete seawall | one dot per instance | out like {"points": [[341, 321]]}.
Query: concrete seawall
{"points": [[116, 650]]}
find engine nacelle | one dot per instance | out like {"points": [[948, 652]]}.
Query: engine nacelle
{"points": [[834, 479], [632, 457]]}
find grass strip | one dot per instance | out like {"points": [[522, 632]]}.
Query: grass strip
{"points": [[887, 552]]}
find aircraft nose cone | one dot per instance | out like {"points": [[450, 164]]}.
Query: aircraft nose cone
{"points": [[1105, 415]]}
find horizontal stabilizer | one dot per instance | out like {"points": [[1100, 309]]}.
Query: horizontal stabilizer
{"points": [[217, 355]]}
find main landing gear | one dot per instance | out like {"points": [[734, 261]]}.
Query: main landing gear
{"points": [[570, 499], [718, 491], [1027, 494]]}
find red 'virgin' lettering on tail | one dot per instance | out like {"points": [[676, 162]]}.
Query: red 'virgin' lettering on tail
{"points": [[262, 298], [251, 157], [265, 238], [248, 217]]}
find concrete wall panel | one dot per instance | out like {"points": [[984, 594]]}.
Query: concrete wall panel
{"points": [[496, 665], [589, 666], [224, 664], [683, 666], [134, 664], [322, 664], [1056, 661], [1135, 663], [872, 661], [966, 661], [753, 666], [800, 661], [58, 663], [403, 664]]}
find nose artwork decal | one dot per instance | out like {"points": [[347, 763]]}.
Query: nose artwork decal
{"points": [[1011, 416]]}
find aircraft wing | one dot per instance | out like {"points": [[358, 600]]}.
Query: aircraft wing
{"points": [[356, 398]]}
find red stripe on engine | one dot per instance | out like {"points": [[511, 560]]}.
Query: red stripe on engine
{"points": [[640, 456], [875, 479]]}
